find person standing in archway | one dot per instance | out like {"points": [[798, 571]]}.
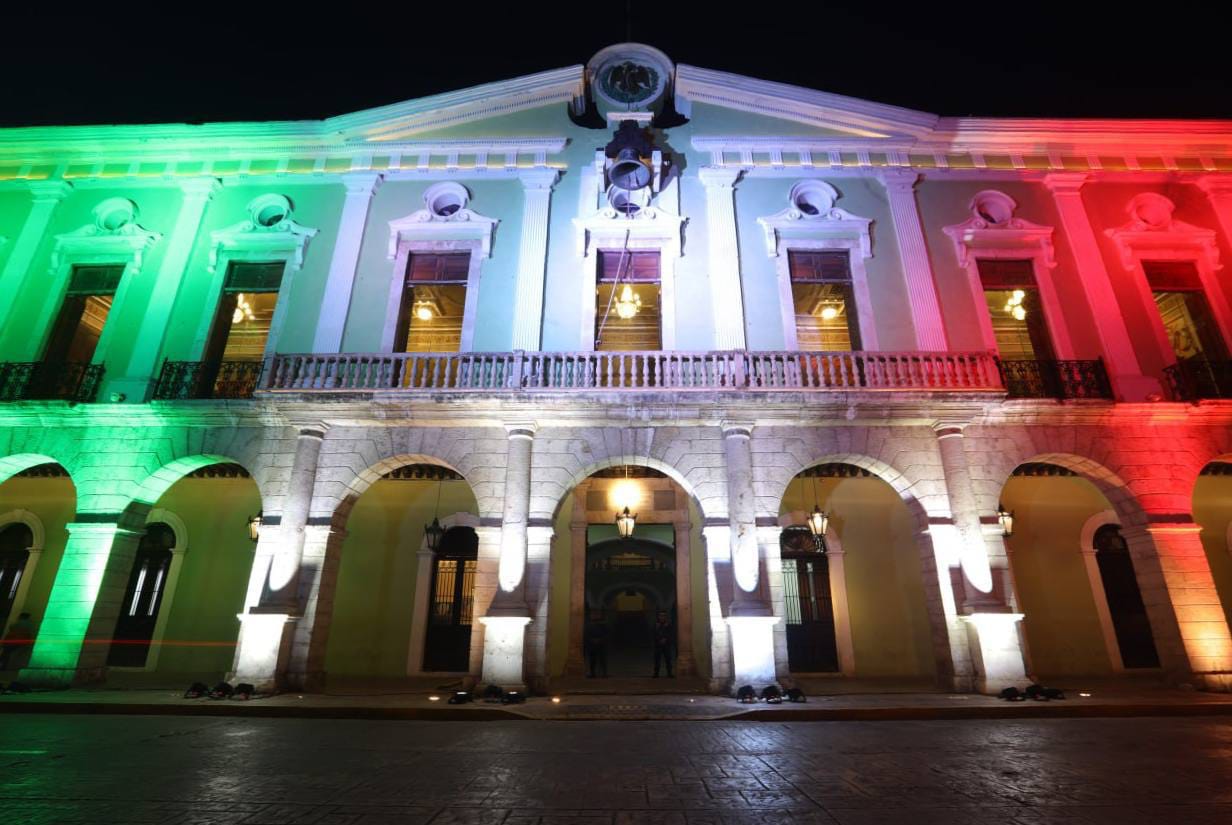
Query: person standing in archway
{"points": [[596, 644], [664, 636]]}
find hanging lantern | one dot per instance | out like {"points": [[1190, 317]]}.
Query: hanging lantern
{"points": [[254, 527], [433, 533], [818, 520], [625, 522], [1006, 519]]}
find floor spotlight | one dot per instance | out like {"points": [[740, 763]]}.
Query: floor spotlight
{"points": [[513, 697], [196, 690], [493, 693], [771, 695], [243, 691], [222, 690], [795, 695], [460, 697], [746, 695]]}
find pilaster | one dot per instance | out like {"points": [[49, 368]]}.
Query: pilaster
{"points": [[1123, 368], [46, 195], [917, 269], [532, 257], [336, 302], [686, 664], [726, 294], [140, 372]]}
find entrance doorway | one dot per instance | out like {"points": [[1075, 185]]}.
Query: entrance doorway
{"points": [[142, 599], [447, 645], [811, 643], [629, 583]]}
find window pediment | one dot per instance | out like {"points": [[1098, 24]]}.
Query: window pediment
{"points": [[114, 235], [609, 227], [993, 228], [811, 215], [269, 232], [426, 225], [1151, 229]]}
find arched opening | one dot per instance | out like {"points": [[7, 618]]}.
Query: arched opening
{"points": [[854, 598], [617, 600], [188, 575], [1212, 510], [402, 607], [37, 501], [1075, 581]]}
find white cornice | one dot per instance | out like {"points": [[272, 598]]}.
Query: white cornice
{"points": [[861, 118]]}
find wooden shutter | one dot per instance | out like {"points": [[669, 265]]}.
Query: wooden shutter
{"points": [[634, 267], [820, 266], [452, 268], [95, 280], [1172, 276], [1002, 274], [254, 277]]}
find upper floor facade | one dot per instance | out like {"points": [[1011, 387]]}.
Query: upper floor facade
{"points": [[627, 224]]}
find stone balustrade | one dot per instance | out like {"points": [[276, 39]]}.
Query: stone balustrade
{"points": [[623, 371]]}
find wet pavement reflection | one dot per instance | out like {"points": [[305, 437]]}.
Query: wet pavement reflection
{"points": [[66, 769]]}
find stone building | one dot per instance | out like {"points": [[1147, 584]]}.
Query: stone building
{"points": [[990, 352]]}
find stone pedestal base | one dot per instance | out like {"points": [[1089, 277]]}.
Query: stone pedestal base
{"points": [[752, 644], [504, 642], [996, 651], [263, 651]]}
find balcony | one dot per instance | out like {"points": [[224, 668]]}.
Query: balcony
{"points": [[39, 381], [196, 380], [676, 371], [1196, 378], [1055, 379]]}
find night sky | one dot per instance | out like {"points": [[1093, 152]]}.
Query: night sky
{"points": [[1063, 63]]}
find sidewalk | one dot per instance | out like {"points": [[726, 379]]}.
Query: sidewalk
{"points": [[1111, 698]]}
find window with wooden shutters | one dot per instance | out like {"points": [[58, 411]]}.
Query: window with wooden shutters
{"points": [[433, 302], [1184, 310], [628, 301], [79, 324], [241, 327], [824, 301], [1015, 309], [447, 640]]}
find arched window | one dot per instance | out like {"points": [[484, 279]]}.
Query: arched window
{"points": [[812, 646], [15, 542], [1129, 619], [451, 610], [142, 598]]}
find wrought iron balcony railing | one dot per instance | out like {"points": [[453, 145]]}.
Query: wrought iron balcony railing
{"points": [[622, 371], [39, 381], [191, 380], [1197, 378], [1055, 379]]}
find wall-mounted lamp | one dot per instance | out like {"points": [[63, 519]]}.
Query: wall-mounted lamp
{"points": [[254, 527], [625, 522], [1006, 520]]}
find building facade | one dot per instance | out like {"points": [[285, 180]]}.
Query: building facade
{"points": [[991, 352]]}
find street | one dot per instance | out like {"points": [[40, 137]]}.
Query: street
{"points": [[66, 769]]}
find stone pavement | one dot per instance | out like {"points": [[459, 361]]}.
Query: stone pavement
{"points": [[107, 770]]}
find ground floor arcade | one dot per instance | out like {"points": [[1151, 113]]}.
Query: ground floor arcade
{"points": [[289, 547]]}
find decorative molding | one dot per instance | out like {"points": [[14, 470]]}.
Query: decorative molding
{"points": [[828, 223], [993, 227], [425, 226], [1152, 229], [100, 242], [252, 239]]}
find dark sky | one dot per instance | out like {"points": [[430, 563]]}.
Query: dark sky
{"points": [[978, 59]]}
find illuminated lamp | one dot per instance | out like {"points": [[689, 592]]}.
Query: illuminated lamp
{"points": [[818, 520], [513, 697], [795, 695], [434, 531], [424, 311], [625, 522], [196, 690], [829, 312], [746, 695], [243, 691], [1006, 519], [628, 304], [460, 697], [493, 693], [254, 527], [222, 690], [771, 695]]}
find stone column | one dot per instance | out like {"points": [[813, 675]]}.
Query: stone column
{"points": [[1218, 189], [424, 559], [142, 368], [575, 665], [726, 294], [836, 564], [46, 195], [532, 258], [1118, 349], [768, 540], [992, 628], [318, 584], [85, 602], [336, 302], [538, 598], [939, 545], [1187, 620], [275, 603], [685, 663], [750, 620], [504, 637], [719, 586], [917, 269]]}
